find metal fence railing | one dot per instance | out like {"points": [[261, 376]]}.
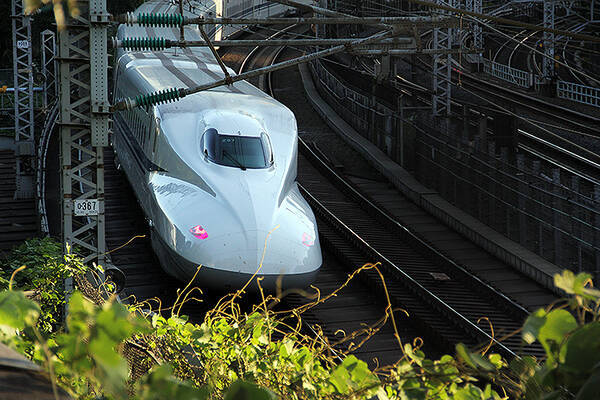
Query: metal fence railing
{"points": [[541, 210], [513, 75], [579, 93], [550, 213]]}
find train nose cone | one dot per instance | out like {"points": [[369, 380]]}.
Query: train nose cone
{"points": [[227, 234], [232, 259]]}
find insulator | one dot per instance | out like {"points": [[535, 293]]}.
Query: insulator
{"points": [[130, 19], [144, 43], [159, 19], [162, 96]]}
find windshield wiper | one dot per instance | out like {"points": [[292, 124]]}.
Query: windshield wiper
{"points": [[232, 158]]}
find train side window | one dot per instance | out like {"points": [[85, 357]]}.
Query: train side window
{"points": [[267, 149], [209, 143]]}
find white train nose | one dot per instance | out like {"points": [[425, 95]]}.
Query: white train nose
{"points": [[283, 251], [226, 266], [229, 237]]}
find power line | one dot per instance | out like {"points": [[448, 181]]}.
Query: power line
{"points": [[539, 52], [507, 21]]}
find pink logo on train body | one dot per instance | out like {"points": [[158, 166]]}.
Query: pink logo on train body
{"points": [[307, 240], [199, 232]]}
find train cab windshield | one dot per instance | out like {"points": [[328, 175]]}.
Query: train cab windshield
{"points": [[236, 150]]}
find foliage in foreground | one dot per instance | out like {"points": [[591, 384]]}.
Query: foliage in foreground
{"points": [[262, 354], [43, 279]]}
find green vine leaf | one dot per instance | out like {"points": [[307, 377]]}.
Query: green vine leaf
{"points": [[17, 311], [582, 349], [160, 384], [576, 284], [241, 390], [591, 388], [532, 326]]}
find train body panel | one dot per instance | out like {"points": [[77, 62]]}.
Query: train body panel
{"points": [[214, 172]]}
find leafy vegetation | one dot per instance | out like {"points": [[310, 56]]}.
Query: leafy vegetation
{"points": [[43, 279], [263, 354]]}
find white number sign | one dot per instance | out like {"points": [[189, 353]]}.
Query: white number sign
{"points": [[22, 44], [86, 207]]}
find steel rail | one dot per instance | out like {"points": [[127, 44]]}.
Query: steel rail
{"points": [[558, 163], [472, 329], [42, 152], [502, 20], [541, 107], [414, 238], [542, 142], [254, 50], [432, 299]]}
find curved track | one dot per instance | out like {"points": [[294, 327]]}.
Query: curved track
{"points": [[445, 299], [566, 142], [356, 306], [442, 296]]}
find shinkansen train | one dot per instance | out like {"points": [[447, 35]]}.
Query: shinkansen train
{"points": [[214, 172]]}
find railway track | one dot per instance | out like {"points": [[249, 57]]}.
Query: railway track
{"points": [[557, 150], [355, 306], [559, 144], [125, 222], [564, 142], [439, 294], [443, 308]]}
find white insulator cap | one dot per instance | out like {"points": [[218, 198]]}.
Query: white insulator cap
{"points": [[131, 18]]}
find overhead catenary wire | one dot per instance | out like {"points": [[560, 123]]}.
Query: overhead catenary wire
{"points": [[527, 120], [176, 19], [174, 94], [539, 52], [503, 20]]}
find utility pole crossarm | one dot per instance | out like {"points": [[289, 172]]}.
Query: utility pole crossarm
{"points": [[143, 44], [324, 11], [419, 21]]}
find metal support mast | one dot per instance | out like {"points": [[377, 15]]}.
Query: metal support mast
{"points": [[442, 39], [49, 67], [457, 31], [23, 86], [475, 6], [548, 60], [84, 128]]}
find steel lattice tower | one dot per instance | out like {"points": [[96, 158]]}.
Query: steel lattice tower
{"points": [[49, 68], [548, 59], [23, 86], [84, 115], [442, 39], [475, 6], [456, 32]]}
